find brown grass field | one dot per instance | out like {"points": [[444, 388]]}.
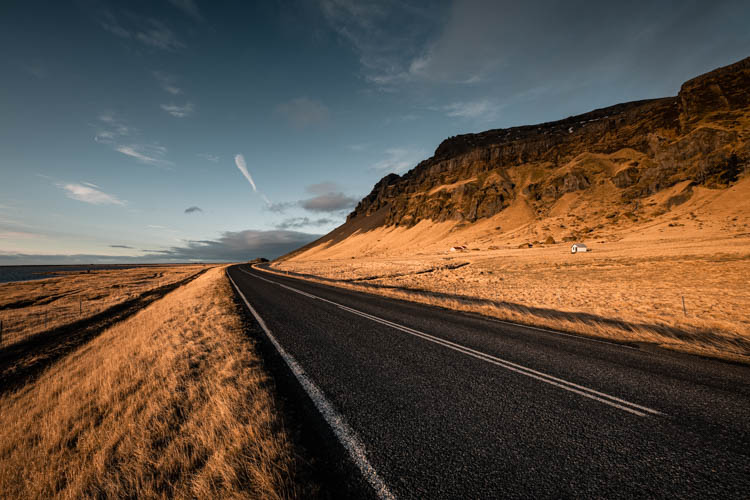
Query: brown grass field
{"points": [[630, 287], [28, 308], [624, 291], [171, 402]]}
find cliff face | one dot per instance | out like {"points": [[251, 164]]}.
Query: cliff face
{"points": [[640, 148]]}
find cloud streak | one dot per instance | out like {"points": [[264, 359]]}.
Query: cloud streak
{"points": [[189, 7], [398, 160], [298, 222], [88, 194], [179, 111], [386, 36], [472, 109], [149, 154], [239, 160], [113, 132], [209, 157], [193, 209], [150, 32], [167, 82]]}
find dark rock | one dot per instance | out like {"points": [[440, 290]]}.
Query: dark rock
{"points": [[687, 137]]}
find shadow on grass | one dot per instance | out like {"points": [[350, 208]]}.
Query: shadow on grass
{"points": [[23, 360], [696, 336]]}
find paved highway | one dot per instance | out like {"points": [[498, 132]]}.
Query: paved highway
{"points": [[431, 403]]}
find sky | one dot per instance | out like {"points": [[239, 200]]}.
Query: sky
{"points": [[189, 130]]}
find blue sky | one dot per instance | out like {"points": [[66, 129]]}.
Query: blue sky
{"points": [[193, 130]]}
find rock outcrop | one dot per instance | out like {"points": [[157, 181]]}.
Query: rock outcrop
{"points": [[639, 147]]}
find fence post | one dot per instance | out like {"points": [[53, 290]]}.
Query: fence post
{"points": [[80, 306], [684, 310]]}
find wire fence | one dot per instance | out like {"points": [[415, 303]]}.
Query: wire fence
{"points": [[17, 325]]}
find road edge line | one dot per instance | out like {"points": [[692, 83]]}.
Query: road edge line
{"points": [[576, 336], [345, 434]]}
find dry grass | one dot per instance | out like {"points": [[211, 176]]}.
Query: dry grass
{"points": [[646, 258], [31, 307], [172, 402], [622, 290]]}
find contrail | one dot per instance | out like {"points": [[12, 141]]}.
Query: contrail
{"points": [[239, 160]]}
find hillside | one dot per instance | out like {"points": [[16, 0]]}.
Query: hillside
{"points": [[672, 166]]}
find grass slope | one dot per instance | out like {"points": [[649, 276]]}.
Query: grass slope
{"points": [[172, 402]]}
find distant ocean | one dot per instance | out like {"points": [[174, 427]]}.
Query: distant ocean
{"points": [[28, 273]]}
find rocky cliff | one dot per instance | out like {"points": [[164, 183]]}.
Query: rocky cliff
{"points": [[638, 148]]}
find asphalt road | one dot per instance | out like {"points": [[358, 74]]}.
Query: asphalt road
{"points": [[437, 404]]}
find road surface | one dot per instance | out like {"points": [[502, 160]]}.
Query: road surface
{"points": [[432, 403]]}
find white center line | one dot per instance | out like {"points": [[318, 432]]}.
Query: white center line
{"points": [[607, 399]]}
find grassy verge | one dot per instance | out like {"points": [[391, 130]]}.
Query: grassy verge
{"points": [[30, 308], [171, 402], [622, 294]]}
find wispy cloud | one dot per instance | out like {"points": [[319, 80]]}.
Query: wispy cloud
{"points": [[189, 7], [88, 194], [167, 82], [177, 110], [158, 35], [146, 153], [386, 36], [239, 160], [281, 207], [151, 32], [303, 112], [193, 209], [399, 160], [113, 131], [472, 109], [110, 23], [299, 222], [121, 246], [110, 127], [209, 157]]}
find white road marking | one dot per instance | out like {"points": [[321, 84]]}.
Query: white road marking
{"points": [[537, 328], [607, 399], [344, 433]]}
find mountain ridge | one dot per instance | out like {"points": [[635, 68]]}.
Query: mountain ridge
{"points": [[601, 167]]}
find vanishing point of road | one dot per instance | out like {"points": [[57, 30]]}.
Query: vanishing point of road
{"points": [[432, 403]]}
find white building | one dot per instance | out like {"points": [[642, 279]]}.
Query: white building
{"points": [[579, 247]]}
